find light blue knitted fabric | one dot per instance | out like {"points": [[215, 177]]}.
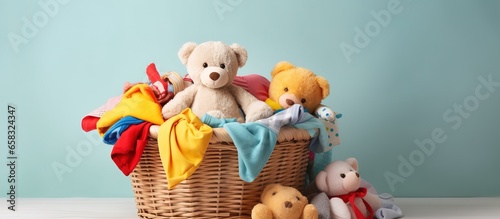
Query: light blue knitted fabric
{"points": [[255, 141]]}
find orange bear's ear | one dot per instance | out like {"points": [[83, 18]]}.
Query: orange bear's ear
{"points": [[325, 87], [267, 188], [281, 66]]}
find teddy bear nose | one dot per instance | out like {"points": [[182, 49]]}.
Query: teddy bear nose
{"points": [[288, 204], [289, 102], [214, 76]]}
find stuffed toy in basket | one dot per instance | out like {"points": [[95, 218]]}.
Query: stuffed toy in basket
{"points": [[185, 145], [231, 162]]}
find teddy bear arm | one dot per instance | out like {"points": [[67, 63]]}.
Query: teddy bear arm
{"points": [[339, 209], [253, 108], [373, 200], [260, 211], [310, 212], [181, 101], [243, 97]]}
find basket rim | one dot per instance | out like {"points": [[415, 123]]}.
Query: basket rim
{"points": [[220, 135]]}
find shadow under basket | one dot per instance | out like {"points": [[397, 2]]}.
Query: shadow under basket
{"points": [[215, 190]]}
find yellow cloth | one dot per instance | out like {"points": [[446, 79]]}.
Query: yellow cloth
{"points": [[273, 104], [182, 142], [139, 101]]}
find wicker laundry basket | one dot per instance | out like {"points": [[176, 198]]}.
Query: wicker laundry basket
{"points": [[215, 190]]}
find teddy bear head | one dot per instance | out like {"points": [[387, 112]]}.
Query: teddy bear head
{"points": [[212, 64], [284, 201], [339, 177], [295, 85]]}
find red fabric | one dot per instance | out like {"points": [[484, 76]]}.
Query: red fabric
{"points": [[89, 123], [255, 84], [360, 193], [162, 99], [155, 78], [128, 149]]}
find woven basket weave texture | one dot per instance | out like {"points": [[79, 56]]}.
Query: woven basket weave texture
{"points": [[215, 190]]}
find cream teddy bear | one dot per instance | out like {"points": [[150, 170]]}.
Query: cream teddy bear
{"points": [[213, 66]]}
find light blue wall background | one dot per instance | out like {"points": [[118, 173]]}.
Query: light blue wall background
{"points": [[415, 68]]}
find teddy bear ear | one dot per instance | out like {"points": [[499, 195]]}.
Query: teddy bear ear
{"points": [[267, 188], [324, 85], [241, 54], [270, 186], [321, 181], [353, 162], [280, 67], [186, 51]]}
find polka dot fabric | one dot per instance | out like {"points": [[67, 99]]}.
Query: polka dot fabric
{"points": [[321, 160], [329, 117]]}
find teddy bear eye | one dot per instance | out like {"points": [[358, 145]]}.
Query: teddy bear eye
{"points": [[205, 65], [286, 89], [298, 199], [342, 175], [222, 66], [274, 193], [303, 100]]}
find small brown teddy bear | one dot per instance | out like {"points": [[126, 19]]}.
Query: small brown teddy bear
{"points": [[283, 202]]}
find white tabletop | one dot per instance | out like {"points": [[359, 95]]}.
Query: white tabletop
{"points": [[125, 208]]}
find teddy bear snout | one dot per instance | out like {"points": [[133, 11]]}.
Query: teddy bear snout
{"points": [[288, 100], [214, 76], [288, 204], [351, 181]]}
